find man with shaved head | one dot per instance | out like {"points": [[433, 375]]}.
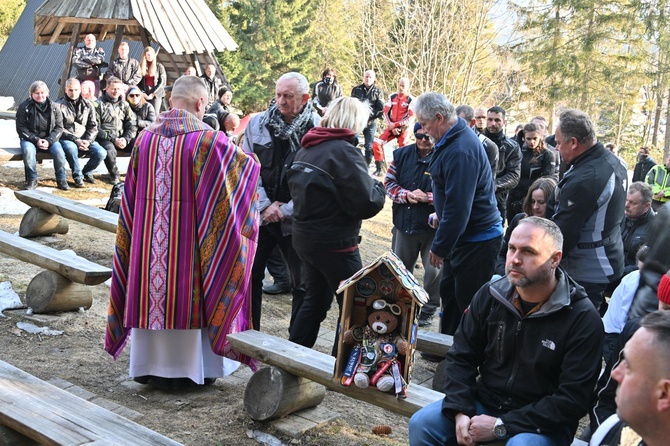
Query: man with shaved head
{"points": [[187, 235], [88, 59]]}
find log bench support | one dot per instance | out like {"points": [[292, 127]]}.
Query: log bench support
{"points": [[70, 209], [318, 367], [62, 287]]}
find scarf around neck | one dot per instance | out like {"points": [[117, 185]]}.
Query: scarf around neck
{"points": [[292, 132]]}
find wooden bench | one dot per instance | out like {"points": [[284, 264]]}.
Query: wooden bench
{"points": [[62, 288], [52, 416], [318, 367], [15, 154], [66, 208]]}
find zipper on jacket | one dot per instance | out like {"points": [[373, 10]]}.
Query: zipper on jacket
{"points": [[515, 366]]}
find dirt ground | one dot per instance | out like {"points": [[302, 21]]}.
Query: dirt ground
{"points": [[211, 415]]}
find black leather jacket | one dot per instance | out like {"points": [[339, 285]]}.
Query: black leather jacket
{"points": [[115, 119], [78, 116], [372, 96]]}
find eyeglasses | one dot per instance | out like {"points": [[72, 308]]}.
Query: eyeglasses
{"points": [[380, 304], [419, 137], [133, 95]]}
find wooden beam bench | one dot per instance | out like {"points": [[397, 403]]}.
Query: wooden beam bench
{"points": [[52, 416], [318, 367], [66, 208], [15, 154], [62, 287]]}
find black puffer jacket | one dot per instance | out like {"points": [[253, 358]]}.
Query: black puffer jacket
{"points": [[145, 115], [538, 371], [39, 121], [332, 191]]}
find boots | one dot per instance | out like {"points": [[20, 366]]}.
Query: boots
{"points": [[368, 160], [378, 168]]}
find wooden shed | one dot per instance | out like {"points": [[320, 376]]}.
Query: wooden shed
{"points": [[185, 32]]}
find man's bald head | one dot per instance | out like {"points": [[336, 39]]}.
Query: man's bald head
{"points": [[231, 122], [189, 93]]}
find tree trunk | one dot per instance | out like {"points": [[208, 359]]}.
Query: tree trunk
{"points": [[666, 146], [37, 222], [274, 393], [50, 292]]}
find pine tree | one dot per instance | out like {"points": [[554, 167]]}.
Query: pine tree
{"points": [[273, 38]]}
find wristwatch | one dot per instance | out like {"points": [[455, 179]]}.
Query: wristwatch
{"points": [[499, 430]]}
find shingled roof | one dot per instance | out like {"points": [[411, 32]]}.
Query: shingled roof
{"points": [[179, 26], [184, 32]]}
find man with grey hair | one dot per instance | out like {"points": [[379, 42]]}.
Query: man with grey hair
{"points": [[587, 205], [525, 357], [470, 230], [274, 137], [468, 113]]}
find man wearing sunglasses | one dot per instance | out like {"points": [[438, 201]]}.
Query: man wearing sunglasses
{"points": [[525, 356], [409, 185]]}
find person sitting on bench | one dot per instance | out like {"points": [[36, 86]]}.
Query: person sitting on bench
{"points": [[39, 123], [533, 339], [80, 128], [116, 122]]}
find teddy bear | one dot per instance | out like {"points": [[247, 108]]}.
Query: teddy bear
{"points": [[380, 345]]}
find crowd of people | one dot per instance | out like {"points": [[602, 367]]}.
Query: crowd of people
{"points": [[104, 108], [521, 238]]}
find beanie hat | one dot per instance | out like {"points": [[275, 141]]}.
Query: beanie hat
{"points": [[664, 289], [133, 90], [417, 126]]}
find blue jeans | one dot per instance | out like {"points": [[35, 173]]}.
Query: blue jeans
{"points": [[95, 153], [369, 137], [29, 151], [429, 426]]}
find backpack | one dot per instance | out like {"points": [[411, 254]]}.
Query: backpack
{"points": [[115, 198]]}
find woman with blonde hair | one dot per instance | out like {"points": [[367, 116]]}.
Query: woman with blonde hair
{"points": [[88, 90], [332, 192], [39, 123], [153, 79]]}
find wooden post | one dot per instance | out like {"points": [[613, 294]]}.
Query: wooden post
{"points": [[274, 393], [37, 222], [50, 292], [74, 38]]}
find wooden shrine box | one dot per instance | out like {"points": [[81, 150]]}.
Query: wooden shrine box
{"points": [[385, 278]]}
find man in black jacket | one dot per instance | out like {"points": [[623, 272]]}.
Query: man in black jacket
{"points": [[643, 165], [509, 156], [587, 205], [80, 128], [636, 225], [275, 136], [369, 93], [525, 357]]}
